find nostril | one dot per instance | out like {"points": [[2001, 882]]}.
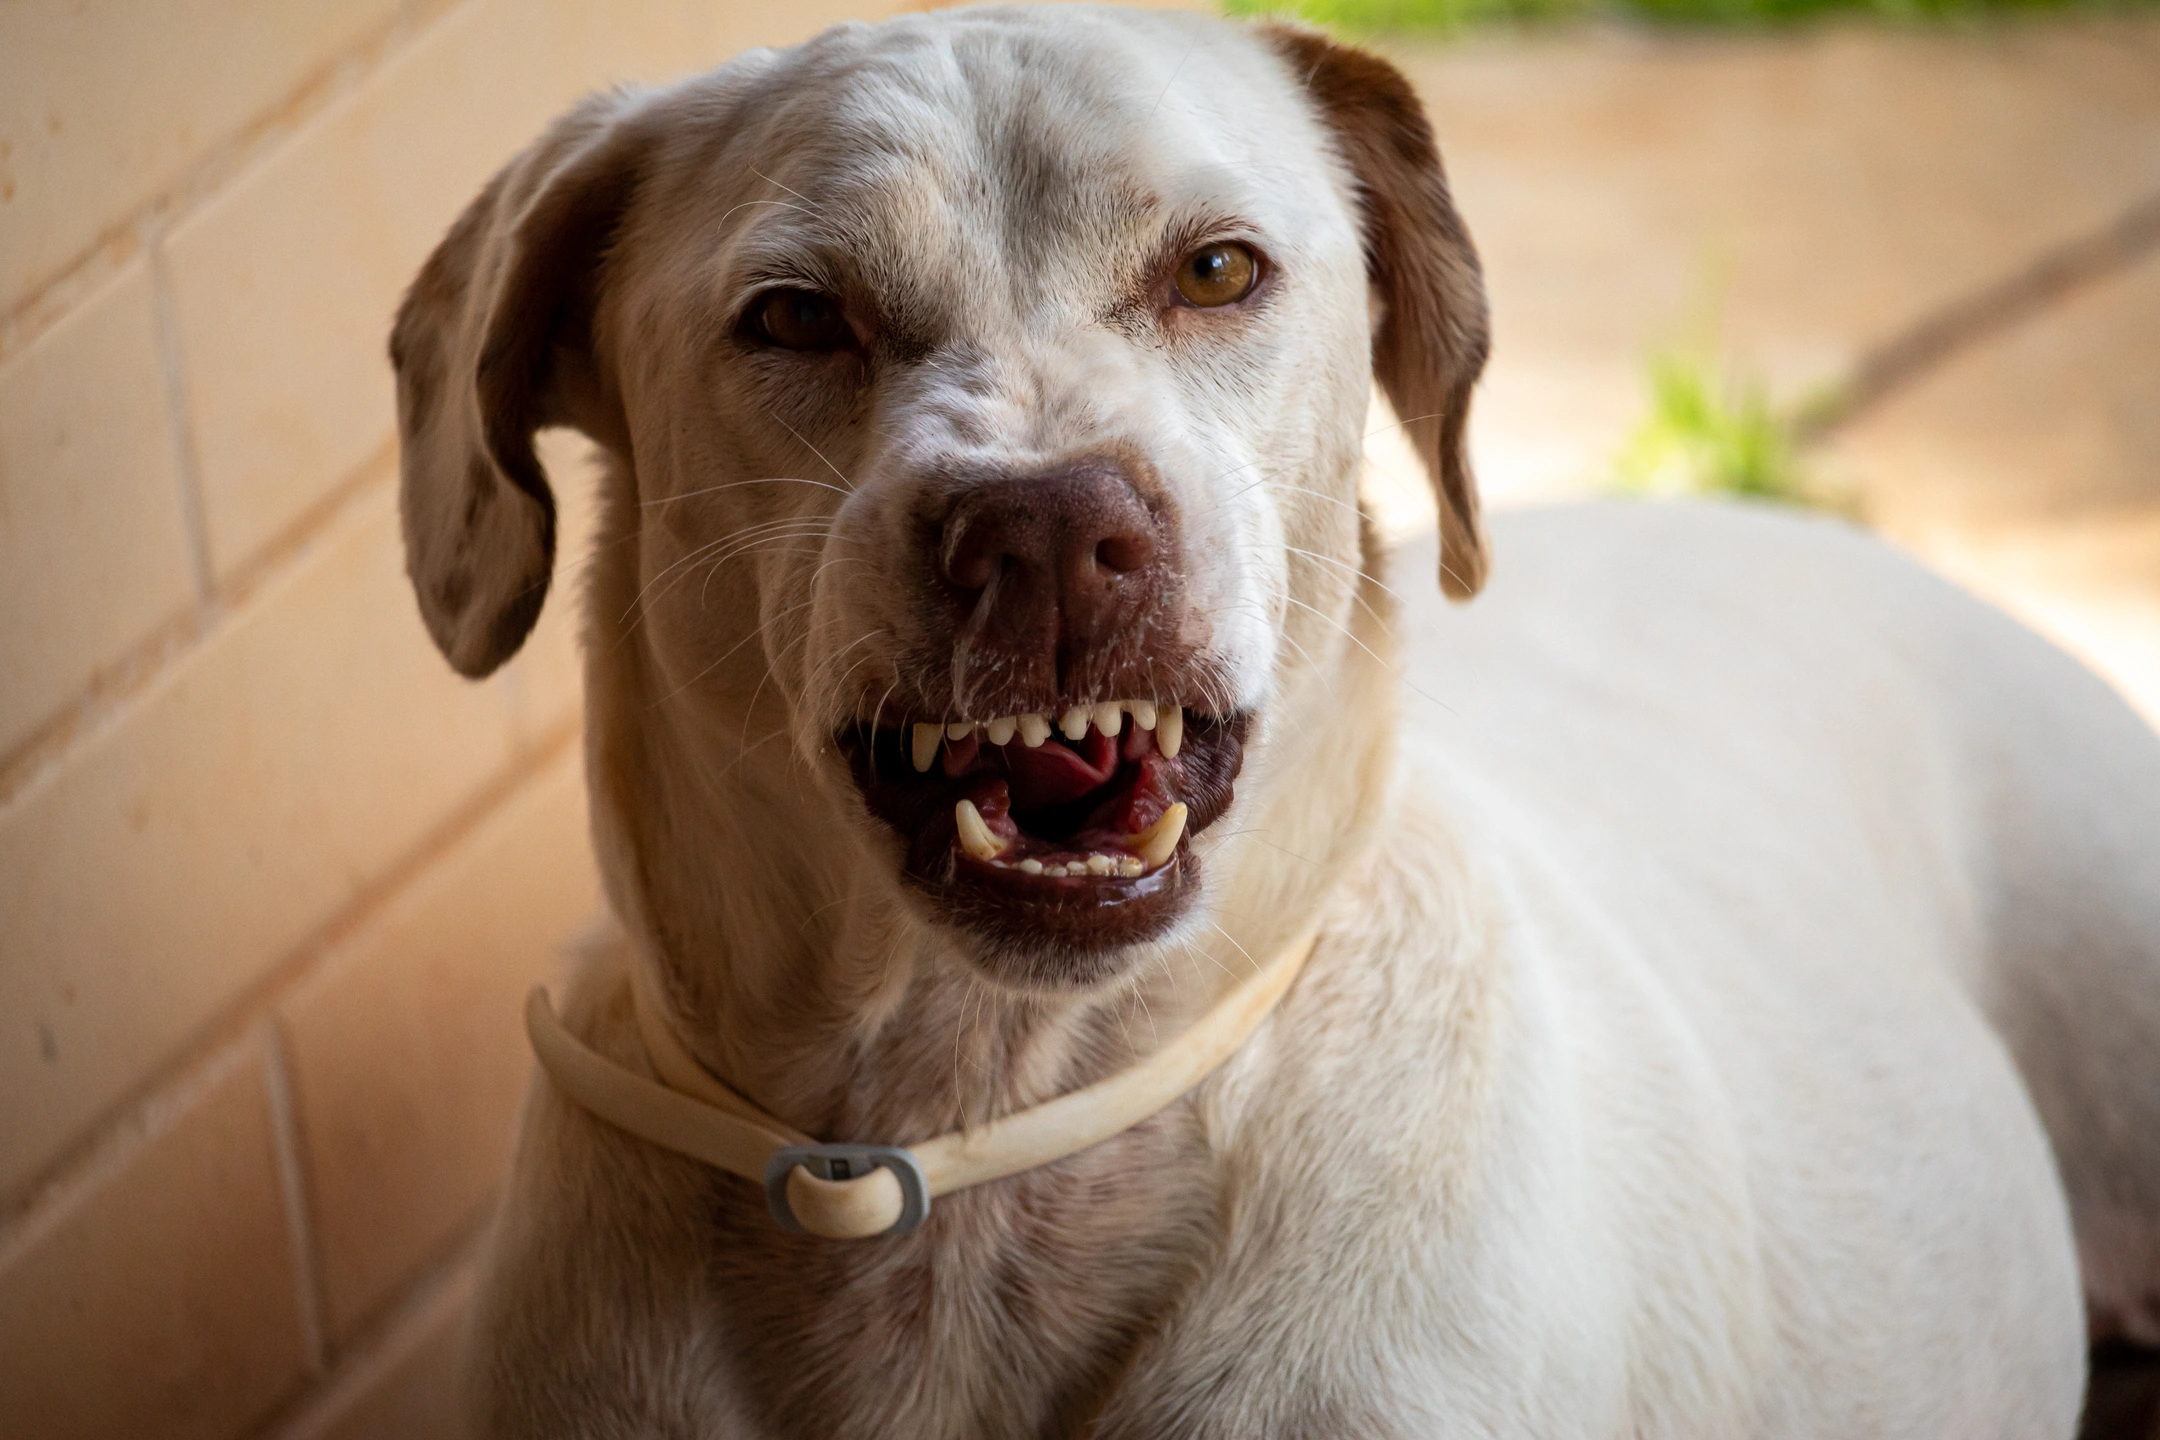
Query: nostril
{"points": [[1125, 553], [972, 564]]}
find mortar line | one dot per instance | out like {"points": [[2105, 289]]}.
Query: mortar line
{"points": [[115, 1146], [214, 168], [28, 1204], [387, 1341], [1951, 329], [122, 679], [180, 417], [286, 1136]]}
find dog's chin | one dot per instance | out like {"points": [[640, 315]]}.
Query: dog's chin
{"points": [[1052, 861]]}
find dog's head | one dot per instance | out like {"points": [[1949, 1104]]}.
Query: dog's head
{"points": [[984, 394]]}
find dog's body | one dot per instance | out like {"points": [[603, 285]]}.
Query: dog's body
{"points": [[1646, 1079]]}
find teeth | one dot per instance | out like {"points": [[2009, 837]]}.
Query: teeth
{"points": [[1108, 716], [1100, 864], [1130, 866], [926, 743], [1032, 867], [1154, 844], [976, 837], [1170, 731]]}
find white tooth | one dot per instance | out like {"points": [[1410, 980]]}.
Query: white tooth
{"points": [[926, 743], [1109, 717], [1154, 844], [1100, 864], [1130, 866], [1033, 867], [1143, 713], [1170, 730], [1000, 732], [1075, 722], [975, 836], [1053, 868], [959, 729], [1033, 730]]}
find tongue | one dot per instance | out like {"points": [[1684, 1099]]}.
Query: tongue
{"points": [[1053, 774]]}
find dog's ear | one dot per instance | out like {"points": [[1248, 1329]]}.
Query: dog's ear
{"points": [[494, 341], [1430, 337]]}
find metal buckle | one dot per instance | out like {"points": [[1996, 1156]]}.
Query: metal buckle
{"points": [[848, 1162]]}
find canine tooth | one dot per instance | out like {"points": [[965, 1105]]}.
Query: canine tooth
{"points": [[1170, 730], [1100, 864], [1000, 732], [1130, 866], [1154, 844], [926, 743], [959, 729], [1033, 730], [1109, 717], [975, 836], [1143, 713], [1033, 867], [1075, 722]]}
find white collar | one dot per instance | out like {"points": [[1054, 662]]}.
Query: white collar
{"points": [[849, 1191]]}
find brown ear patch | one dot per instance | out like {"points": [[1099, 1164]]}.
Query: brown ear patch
{"points": [[1432, 336]]}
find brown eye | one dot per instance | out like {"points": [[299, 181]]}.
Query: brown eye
{"points": [[800, 320], [1217, 275]]}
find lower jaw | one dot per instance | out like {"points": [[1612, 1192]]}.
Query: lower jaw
{"points": [[1068, 941]]}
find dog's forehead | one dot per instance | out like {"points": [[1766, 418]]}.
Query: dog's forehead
{"points": [[983, 133]]}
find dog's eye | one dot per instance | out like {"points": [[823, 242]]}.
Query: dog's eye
{"points": [[1219, 274], [800, 320]]}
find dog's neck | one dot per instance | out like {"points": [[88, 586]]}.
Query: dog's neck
{"points": [[827, 1000]]}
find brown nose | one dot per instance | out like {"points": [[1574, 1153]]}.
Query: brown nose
{"points": [[1049, 565]]}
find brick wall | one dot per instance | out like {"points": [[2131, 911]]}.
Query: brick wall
{"points": [[272, 880]]}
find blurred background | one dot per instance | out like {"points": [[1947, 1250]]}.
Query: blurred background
{"points": [[273, 881]]}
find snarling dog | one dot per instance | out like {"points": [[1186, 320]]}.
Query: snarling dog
{"points": [[988, 665]]}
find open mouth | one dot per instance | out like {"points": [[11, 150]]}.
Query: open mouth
{"points": [[1070, 831]]}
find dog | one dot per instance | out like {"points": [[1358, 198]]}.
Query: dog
{"points": [[1734, 1005]]}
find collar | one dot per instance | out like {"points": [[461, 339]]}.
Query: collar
{"points": [[849, 1191]]}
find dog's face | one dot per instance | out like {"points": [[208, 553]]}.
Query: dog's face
{"points": [[988, 391]]}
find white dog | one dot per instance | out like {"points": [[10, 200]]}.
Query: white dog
{"points": [[1705, 966]]}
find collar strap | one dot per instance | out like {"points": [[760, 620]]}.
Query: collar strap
{"points": [[850, 1191]]}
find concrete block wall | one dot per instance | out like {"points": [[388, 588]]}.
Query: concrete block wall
{"points": [[272, 879]]}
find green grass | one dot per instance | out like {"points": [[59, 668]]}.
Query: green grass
{"points": [[1707, 432], [1446, 16], [1711, 431]]}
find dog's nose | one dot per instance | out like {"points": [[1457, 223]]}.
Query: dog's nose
{"points": [[1052, 560]]}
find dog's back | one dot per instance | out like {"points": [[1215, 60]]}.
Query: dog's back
{"points": [[1787, 711]]}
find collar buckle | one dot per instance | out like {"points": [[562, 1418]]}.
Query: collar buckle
{"points": [[846, 1163]]}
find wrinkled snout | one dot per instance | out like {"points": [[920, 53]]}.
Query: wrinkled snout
{"points": [[1046, 571]]}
